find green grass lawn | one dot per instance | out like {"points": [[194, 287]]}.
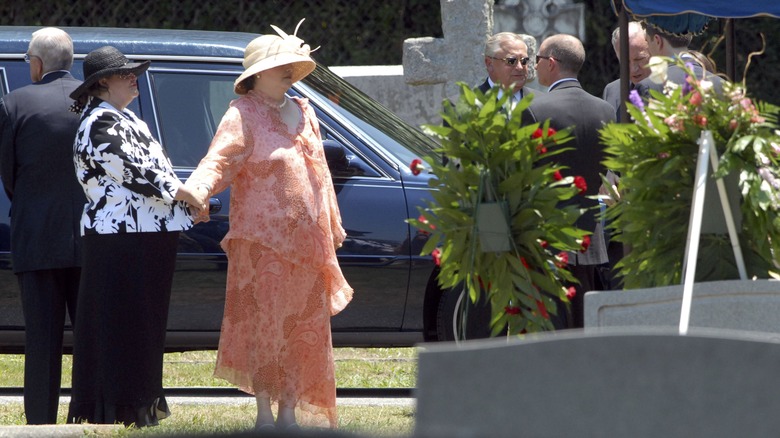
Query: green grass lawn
{"points": [[355, 368]]}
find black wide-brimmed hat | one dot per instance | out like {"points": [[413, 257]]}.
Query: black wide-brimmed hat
{"points": [[102, 62]]}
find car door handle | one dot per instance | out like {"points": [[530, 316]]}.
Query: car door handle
{"points": [[215, 205]]}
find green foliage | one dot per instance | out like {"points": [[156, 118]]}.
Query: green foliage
{"points": [[349, 32], [493, 158], [656, 157]]}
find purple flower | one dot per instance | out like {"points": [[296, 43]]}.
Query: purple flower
{"points": [[686, 86], [636, 100]]}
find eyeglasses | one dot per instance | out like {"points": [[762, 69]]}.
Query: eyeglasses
{"points": [[27, 57], [538, 57], [512, 61], [126, 75]]}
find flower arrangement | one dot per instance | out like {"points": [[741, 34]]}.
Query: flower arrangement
{"points": [[656, 159], [496, 221]]}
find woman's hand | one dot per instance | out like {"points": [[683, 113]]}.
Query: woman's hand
{"points": [[197, 197]]}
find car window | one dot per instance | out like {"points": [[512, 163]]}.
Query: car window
{"points": [[397, 138], [190, 106], [343, 162]]}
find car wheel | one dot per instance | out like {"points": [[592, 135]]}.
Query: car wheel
{"points": [[449, 323]]}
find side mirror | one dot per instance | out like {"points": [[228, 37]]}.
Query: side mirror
{"points": [[336, 156]]}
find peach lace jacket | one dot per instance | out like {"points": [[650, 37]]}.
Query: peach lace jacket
{"points": [[282, 195]]}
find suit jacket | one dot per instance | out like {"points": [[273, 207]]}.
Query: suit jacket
{"points": [[611, 93], [568, 105], [485, 86], [36, 166]]}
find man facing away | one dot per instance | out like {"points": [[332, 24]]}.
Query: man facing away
{"points": [[639, 57], [567, 104], [36, 166], [675, 46], [506, 62]]}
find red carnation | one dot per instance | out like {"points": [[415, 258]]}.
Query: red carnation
{"points": [[557, 175], [585, 243], [543, 243], [539, 133], [482, 285], [541, 149], [696, 98], [562, 258], [436, 254], [580, 183], [524, 262], [512, 310], [571, 292], [542, 309], [423, 220], [416, 166]]}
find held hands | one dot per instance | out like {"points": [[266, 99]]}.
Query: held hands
{"points": [[197, 196]]}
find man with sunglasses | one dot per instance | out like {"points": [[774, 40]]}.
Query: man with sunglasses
{"points": [[36, 164], [568, 105], [506, 61]]}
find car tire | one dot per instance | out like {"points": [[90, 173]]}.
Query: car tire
{"points": [[448, 321]]}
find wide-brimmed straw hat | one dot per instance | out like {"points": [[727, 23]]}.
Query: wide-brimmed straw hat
{"points": [[269, 51], [102, 62]]}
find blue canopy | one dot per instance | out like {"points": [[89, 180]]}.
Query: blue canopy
{"points": [[713, 8], [691, 16]]}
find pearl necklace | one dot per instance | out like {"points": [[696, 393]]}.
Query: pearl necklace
{"points": [[284, 102]]}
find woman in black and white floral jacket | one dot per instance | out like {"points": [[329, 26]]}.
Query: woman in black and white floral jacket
{"points": [[136, 207]]}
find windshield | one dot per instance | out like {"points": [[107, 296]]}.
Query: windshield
{"points": [[396, 137]]}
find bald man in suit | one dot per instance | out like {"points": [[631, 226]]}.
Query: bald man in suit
{"points": [[566, 105], [639, 57]]}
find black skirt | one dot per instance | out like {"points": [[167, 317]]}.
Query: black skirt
{"points": [[119, 335]]}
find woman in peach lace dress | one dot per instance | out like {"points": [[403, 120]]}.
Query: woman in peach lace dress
{"points": [[284, 282]]}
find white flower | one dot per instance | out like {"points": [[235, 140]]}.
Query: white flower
{"points": [[658, 67], [669, 88], [705, 85]]}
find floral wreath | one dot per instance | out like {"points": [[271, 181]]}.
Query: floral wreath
{"points": [[656, 159], [498, 184]]}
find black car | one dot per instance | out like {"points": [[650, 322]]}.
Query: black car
{"points": [[182, 98]]}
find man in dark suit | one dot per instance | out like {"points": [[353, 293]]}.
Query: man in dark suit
{"points": [[36, 165], [638, 60], [506, 62], [566, 105], [639, 57]]}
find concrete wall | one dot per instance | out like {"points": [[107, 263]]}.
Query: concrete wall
{"points": [[752, 305], [415, 104]]}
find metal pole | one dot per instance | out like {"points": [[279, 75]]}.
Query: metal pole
{"points": [[624, 59], [694, 228], [731, 50]]}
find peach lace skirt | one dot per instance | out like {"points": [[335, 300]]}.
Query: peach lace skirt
{"points": [[275, 338]]}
